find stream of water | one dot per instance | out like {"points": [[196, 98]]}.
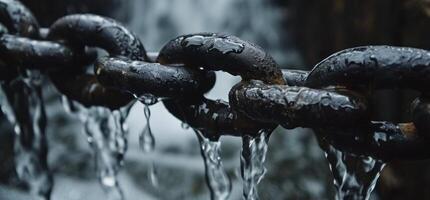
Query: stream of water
{"points": [[354, 176], [22, 103], [253, 156], [106, 133], [218, 181]]}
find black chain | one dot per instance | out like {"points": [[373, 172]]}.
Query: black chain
{"points": [[332, 99]]}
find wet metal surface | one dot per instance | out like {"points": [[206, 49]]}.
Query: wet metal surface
{"points": [[228, 53], [96, 31], [140, 77], [298, 106]]}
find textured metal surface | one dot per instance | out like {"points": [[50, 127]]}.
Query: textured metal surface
{"points": [[299, 106], [80, 31], [332, 99], [139, 78]]}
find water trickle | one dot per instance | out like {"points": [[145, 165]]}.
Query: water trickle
{"points": [[107, 136], [253, 155], [217, 179], [355, 177], [22, 103], [221, 44], [68, 105], [146, 137]]}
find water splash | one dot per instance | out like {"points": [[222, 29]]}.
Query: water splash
{"points": [[253, 155], [107, 136], [22, 103], [217, 179], [355, 177]]}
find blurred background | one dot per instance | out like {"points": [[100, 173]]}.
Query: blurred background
{"points": [[297, 33]]}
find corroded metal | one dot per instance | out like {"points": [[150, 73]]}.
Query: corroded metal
{"points": [[380, 67], [295, 77], [375, 66], [81, 31], [139, 78], [421, 115], [298, 106], [214, 51], [215, 117], [18, 19], [32, 53], [381, 140]]}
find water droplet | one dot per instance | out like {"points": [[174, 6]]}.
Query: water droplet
{"points": [[185, 126], [253, 156], [147, 99], [216, 178], [152, 175]]}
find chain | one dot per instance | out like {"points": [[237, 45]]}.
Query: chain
{"points": [[332, 99]]}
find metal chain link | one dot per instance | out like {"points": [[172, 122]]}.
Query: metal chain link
{"points": [[332, 99]]}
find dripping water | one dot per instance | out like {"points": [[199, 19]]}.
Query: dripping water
{"points": [[253, 155], [146, 137], [354, 176], [216, 178], [107, 135], [22, 103]]}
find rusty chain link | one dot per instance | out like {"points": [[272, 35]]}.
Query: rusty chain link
{"points": [[332, 99]]}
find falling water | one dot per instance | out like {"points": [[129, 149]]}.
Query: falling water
{"points": [[107, 135], [146, 137], [253, 155], [23, 105], [355, 177], [217, 179]]}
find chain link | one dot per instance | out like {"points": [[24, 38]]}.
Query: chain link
{"points": [[332, 99]]}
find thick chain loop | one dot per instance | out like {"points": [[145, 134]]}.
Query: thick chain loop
{"points": [[80, 31], [210, 52]]}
